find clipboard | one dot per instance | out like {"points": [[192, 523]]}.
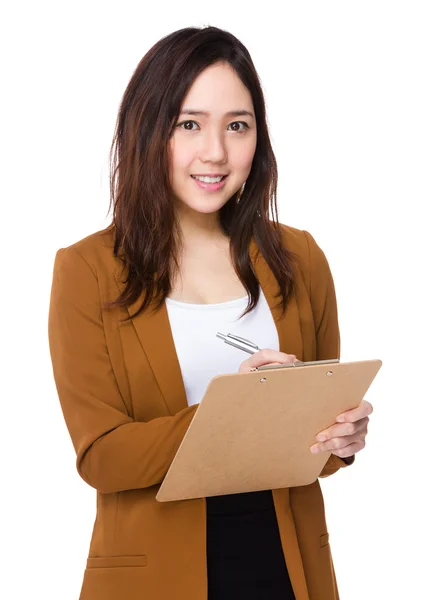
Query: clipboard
{"points": [[253, 431]]}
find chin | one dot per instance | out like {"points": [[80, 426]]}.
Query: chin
{"points": [[206, 205], [208, 208]]}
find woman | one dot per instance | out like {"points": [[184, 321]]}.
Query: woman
{"points": [[133, 316]]}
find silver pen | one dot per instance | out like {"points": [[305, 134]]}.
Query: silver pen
{"points": [[251, 348], [239, 342]]}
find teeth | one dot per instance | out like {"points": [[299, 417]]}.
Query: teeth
{"points": [[208, 179]]}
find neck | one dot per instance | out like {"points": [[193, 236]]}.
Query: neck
{"points": [[197, 227]]}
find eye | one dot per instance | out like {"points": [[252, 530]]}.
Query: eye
{"points": [[186, 123], [240, 123]]}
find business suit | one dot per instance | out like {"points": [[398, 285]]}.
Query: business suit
{"points": [[123, 399]]}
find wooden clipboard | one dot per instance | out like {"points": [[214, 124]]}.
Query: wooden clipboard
{"points": [[253, 431]]}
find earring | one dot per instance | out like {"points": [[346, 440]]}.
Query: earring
{"points": [[240, 193]]}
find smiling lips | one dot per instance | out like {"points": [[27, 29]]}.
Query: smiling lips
{"points": [[210, 183], [209, 178]]}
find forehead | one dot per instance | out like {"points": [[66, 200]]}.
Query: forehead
{"points": [[218, 89]]}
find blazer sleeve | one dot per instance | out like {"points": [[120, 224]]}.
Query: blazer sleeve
{"points": [[114, 453], [325, 315]]}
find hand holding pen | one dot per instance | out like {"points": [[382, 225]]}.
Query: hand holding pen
{"points": [[258, 357]]}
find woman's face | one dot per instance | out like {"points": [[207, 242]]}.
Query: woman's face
{"points": [[213, 143]]}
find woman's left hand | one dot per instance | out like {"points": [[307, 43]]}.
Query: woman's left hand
{"points": [[347, 436]]}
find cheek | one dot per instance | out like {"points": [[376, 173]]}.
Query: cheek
{"points": [[241, 156], [242, 163], [181, 156]]}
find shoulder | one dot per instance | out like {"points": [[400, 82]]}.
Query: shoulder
{"points": [[294, 239], [94, 250], [310, 258]]}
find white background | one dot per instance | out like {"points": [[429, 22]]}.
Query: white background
{"points": [[354, 100]]}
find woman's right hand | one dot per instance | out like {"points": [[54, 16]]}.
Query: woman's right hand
{"points": [[267, 356]]}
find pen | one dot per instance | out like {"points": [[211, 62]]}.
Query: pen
{"points": [[239, 342], [251, 348]]}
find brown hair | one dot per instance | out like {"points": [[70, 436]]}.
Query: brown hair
{"points": [[143, 214]]}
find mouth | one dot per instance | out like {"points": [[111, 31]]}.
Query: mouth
{"points": [[218, 176], [210, 183]]}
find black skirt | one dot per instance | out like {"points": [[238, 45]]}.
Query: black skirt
{"points": [[245, 560]]}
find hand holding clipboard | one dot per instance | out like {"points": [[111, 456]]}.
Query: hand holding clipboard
{"points": [[336, 437], [253, 430]]}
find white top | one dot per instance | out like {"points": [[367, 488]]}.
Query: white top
{"points": [[201, 354]]}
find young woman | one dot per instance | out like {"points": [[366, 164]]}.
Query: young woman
{"points": [[134, 312]]}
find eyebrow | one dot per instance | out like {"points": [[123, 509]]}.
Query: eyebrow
{"points": [[231, 113]]}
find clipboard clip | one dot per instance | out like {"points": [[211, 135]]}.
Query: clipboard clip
{"points": [[298, 363]]}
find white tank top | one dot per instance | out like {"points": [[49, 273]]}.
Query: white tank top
{"points": [[201, 354]]}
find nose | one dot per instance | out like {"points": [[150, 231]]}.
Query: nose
{"points": [[213, 147]]}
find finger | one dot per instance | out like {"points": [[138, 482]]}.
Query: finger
{"points": [[338, 443], [363, 410], [350, 449], [342, 429], [267, 356]]}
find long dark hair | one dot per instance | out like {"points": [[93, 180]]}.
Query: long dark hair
{"points": [[141, 195]]}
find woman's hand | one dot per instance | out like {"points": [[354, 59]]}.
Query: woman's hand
{"points": [[267, 356], [347, 436]]}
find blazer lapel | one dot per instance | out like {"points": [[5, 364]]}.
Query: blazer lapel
{"points": [[155, 334]]}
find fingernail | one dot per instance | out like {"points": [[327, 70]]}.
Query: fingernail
{"points": [[321, 438], [341, 419]]}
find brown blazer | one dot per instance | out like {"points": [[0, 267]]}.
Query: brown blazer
{"points": [[124, 403]]}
